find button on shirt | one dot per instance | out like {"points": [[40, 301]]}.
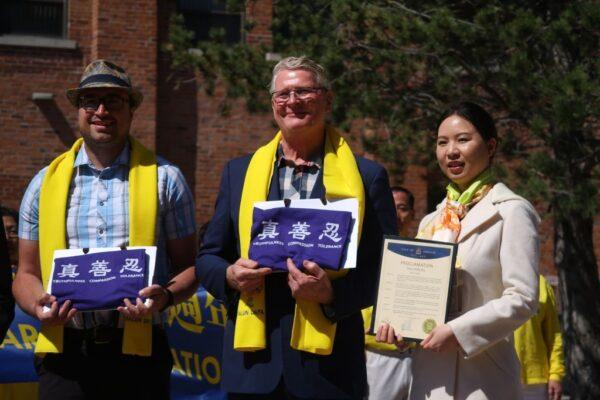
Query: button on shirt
{"points": [[98, 212]]}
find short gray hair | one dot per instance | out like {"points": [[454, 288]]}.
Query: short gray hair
{"points": [[304, 63]]}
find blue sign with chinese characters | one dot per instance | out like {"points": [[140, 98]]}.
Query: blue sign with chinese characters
{"points": [[300, 234], [100, 281]]}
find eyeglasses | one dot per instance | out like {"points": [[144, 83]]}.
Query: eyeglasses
{"points": [[112, 102], [302, 93]]}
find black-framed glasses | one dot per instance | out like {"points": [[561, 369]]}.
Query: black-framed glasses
{"points": [[112, 102], [302, 93]]}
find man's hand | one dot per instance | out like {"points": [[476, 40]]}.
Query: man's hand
{"points": [[157, 300], [441, 339], [554, 390], [386, 334], [56, 315], [314, 285], [245, 275]]}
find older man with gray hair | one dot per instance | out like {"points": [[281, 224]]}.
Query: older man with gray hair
{"points": [[270, 348]]}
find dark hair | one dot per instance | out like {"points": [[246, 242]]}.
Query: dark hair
{"points": [[9, 213], [411, 198], [475, 114]]}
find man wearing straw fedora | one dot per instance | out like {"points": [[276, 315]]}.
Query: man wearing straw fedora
{"points": [[106, 191], [297, 334]]}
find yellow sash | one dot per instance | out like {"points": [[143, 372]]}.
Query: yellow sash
{"points": [[312, 331], [143, 205]]}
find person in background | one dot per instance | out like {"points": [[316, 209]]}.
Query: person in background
{"points": [[7, 302], [10, 218], [405, 209], [495, 286], [389, 367], [539, 346]]}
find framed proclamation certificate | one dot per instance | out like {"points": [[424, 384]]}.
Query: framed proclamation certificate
{"points": [[414, 286]]}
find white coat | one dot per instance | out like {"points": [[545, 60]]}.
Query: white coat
{"points": [[497, 291]]}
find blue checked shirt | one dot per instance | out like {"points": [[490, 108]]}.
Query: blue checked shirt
{"points": [[98, 210], [297, 181]]}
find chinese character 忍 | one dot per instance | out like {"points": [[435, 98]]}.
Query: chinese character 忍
{"points": [[131, 264], [331, 231]]}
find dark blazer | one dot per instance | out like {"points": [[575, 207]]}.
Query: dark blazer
{"points": [[7, 302], [339, 375]]}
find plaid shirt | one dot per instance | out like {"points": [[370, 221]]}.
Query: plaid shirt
{"points": [[98, 208], [297, 181]]}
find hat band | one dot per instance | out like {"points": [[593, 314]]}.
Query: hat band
{"points": [[104, 78]]}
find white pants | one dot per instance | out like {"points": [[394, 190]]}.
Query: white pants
{"points": [[388, 375], [535, 392]]}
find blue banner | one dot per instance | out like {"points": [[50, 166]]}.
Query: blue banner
{"points": [[195, 330]]}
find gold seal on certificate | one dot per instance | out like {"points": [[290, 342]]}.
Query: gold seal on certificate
{"points": [[414, 286]]}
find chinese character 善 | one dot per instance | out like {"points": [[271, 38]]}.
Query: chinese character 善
{"points": [[99, 268], [300, 230]]}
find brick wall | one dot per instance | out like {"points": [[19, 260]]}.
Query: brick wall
{"points": [[32, 133]]}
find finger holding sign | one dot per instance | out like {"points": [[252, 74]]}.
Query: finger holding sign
{"points": [[54, 315], [313, 285], [157, 298], [131, 311], [387, 334], [245, 275]]}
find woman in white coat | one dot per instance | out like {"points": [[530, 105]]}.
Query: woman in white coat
{"points": [[495, 286]]}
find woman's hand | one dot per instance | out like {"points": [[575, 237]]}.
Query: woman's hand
{"points": [[441, 339], [386, 334]]}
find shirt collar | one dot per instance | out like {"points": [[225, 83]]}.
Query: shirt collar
{"points": [[83, 159], [316, 160]]}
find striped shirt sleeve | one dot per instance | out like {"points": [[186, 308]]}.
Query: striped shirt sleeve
{"points": [[29, 210], [178, 204]]}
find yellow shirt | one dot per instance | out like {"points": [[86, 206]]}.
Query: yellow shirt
{"points": [[538, 342]]}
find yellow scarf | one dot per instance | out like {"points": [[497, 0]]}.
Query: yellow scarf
{"points": [[312, 331], [143, 205]]}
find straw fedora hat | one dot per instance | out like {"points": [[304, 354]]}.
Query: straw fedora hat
{"points": [[100, 74]]}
